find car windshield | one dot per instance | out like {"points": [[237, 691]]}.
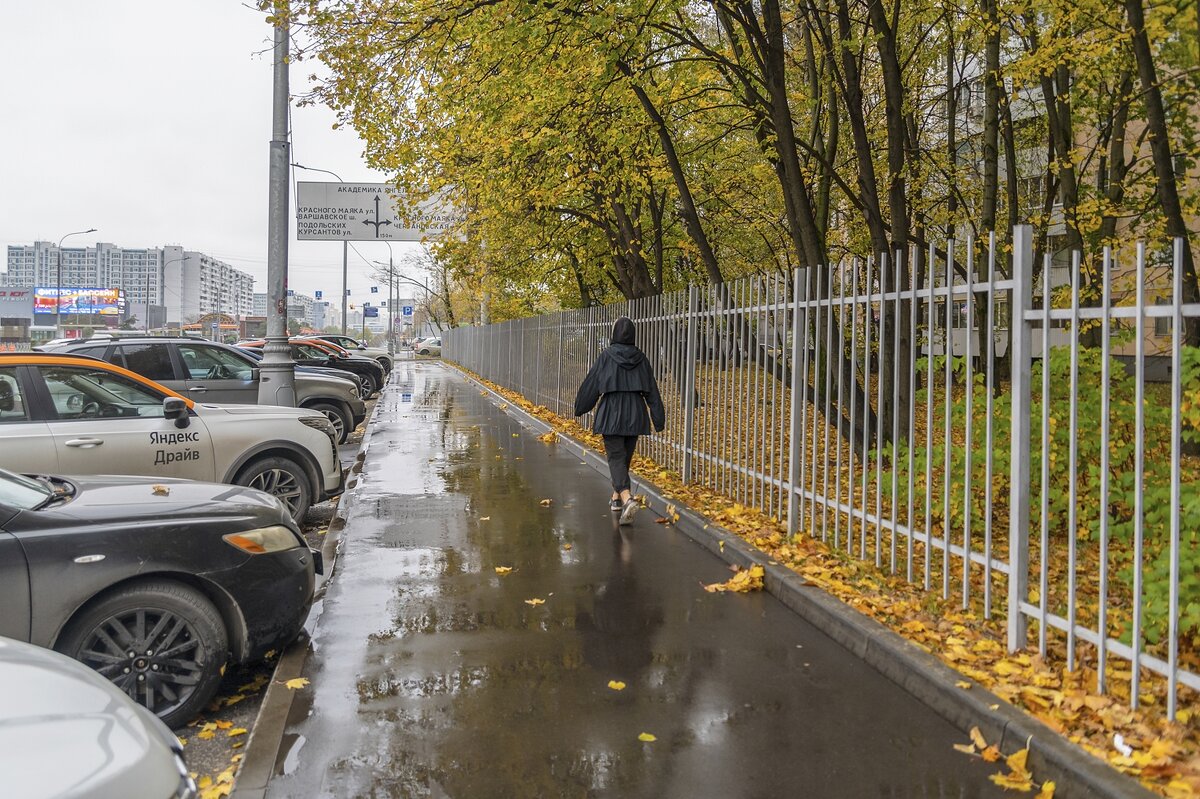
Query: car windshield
{"points": [[21, 492]]}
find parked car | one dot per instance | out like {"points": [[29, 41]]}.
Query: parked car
{"points": [[428, 346], [65, 731], [317, 352], [72, 414], [155, 583], [341, 374], [207, 371], [353, 345]]}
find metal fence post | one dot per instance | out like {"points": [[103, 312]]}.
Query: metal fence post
{"points": [[689, 391], [796, 430], [1019, 468]]}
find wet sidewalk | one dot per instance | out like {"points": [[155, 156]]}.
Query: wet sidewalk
{"points": [[432, 675]]}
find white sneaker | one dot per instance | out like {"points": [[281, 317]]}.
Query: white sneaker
{"points": [[631, 507]]}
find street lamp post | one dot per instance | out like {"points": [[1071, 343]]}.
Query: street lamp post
{"points": [[276, 384], [345, 244], [58, 280], [162, 287]]}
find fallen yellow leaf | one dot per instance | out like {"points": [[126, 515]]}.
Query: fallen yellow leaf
{"points": [[298, 682], [1012, 782], [1047, 791], [485, 518], [616, 685], [991, 754], [223, 725], [204, 782], [647, 738], [978, 739], [963, 684], [160, 490], [966, 749], [205, 735], [535, 601], [503, 569], [568, 547], [1016, 761], [236, 731], [545, 503], [745, 580]]}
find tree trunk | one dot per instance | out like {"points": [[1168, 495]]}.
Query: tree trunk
{"points": [[1160, 149]]}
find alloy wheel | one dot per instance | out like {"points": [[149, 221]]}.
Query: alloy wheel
{"points": [[154, 656], [282, 484], [339, 424]]}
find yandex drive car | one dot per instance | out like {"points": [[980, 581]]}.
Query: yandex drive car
{"points": [[69, 414]]}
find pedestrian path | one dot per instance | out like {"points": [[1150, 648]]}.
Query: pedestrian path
{"points": [[433, 674]]}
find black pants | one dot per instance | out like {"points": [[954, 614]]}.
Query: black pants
{"points": [[619, 450]]}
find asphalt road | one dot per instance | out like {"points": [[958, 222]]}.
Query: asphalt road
{"points": [[434, 675]]}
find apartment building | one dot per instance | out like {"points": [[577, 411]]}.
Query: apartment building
{"points": [[185, 283]]}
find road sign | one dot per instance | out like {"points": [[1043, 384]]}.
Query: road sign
{"points": [[374, 289], [215, 327], [318, 294], [408, 310], [363, 212], [370, 313]]}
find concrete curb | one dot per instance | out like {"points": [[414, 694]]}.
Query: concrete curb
{"points": [[1077, 774], [263, 747]]}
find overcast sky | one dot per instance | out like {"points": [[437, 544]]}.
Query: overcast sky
{"points": [[150, 120]]}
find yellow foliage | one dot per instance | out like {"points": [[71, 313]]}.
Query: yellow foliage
{"points": [[744, 581]]}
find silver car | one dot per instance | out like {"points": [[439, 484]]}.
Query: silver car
{"points": [[65, 731]]}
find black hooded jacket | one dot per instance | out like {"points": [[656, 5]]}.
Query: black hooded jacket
{"points": [[623, 382]]}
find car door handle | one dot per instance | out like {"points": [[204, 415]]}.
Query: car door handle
{"points": [[85, 443], [198, 389]]}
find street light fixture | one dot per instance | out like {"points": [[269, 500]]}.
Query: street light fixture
{"points": [[58, 286], [345, 243]]}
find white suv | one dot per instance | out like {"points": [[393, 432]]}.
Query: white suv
{"points": [[69, 414]]}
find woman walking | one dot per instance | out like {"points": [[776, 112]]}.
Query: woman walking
{"points": [[623, 382]]}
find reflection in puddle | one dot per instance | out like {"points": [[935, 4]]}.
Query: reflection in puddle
{"points": [[291, 744]]}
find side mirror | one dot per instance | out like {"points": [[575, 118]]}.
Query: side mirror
{"points": [[175, 408], [362, 347]]}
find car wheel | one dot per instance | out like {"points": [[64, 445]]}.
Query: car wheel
{"points": [[163, 643], [423, 352], [341, 421], [284, 479], [386, 363], [370, 385]]}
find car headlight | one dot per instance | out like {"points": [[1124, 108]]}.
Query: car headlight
{"points": [[263, 540], [324, 425]]}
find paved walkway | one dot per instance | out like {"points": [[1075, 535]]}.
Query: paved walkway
{"points": [[431, 675]]}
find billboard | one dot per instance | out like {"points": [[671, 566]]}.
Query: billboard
{"points": [[108, 302], [362, 212]]}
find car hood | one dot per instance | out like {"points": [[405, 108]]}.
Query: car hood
{"points": [[266, 411], [107, 499], [67, 731]]}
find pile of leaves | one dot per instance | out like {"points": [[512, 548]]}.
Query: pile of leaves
{"points": [[1164, 756]]}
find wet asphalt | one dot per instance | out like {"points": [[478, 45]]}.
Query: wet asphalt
{"points": [[432, 676]]}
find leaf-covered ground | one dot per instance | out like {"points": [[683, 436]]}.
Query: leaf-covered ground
{"points": [[1164, 756]]}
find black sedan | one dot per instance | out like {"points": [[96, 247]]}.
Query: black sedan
{"points": [[155, 583]]}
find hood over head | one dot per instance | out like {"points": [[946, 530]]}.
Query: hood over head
{"points": [[623, 331], [622, 350]]}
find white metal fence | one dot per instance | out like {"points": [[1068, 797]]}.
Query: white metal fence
{"points": [[828, 402]]}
